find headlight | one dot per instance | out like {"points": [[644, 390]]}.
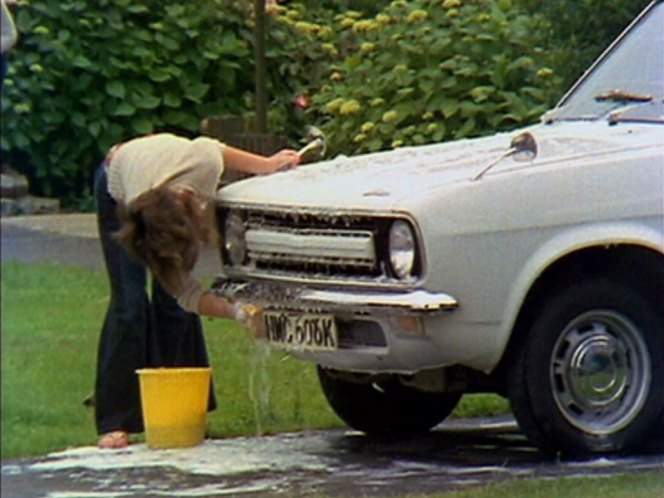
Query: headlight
{"points": [[234, 241], [402, 249]]}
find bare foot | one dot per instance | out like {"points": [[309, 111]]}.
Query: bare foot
{"points": [[114, 440]]}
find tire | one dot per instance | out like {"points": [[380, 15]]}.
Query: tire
{"points": [[387, 407], [590, 376]]}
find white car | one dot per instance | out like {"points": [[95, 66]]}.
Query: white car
{"points": [[529, 264]]}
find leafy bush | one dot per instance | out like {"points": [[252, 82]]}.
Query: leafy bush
{"points": [[581, 29], [90, 74], [426, 71]]}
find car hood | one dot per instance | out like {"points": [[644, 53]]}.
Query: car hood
{"points": [[387, 180]]}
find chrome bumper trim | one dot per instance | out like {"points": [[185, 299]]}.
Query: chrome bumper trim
{"points": [[416, 301]]}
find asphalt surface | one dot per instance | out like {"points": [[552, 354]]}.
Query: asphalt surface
{"points": [[340, 463], [457, 455], [67, 240]]}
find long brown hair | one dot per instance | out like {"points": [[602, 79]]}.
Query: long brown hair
{"points": [[165, 232]]}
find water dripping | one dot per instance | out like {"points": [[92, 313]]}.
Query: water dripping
{"points": [[259, 384]]}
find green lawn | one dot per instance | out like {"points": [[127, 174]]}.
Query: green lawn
{"points": [[51, 318], [615, 486]]}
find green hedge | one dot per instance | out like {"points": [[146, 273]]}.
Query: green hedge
{"points": [[425, 71], [89, 74], [581, 29]]}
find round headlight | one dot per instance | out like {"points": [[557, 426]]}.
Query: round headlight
{"points": [[402, 249], [234, 241]]}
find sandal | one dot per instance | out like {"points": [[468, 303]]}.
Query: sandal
{"points": [[114, 440]]}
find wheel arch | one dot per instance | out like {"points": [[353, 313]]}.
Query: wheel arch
{"points": [[637, 266]]}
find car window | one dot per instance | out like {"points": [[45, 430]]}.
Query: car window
{"points": [[630, 75]]}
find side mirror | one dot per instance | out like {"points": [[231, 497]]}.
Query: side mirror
{"points": [[523, 147]]}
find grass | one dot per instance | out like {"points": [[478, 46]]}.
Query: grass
{"points": [[614, 486], [51, 318], [607, 486]]}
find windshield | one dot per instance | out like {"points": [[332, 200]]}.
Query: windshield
{"points": [[629, 77]]}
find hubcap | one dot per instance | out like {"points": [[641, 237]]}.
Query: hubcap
{"points": [[600, 372]]}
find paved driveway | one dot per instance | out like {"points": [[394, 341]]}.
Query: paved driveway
{"points": [[67, 240], [457, 455]]}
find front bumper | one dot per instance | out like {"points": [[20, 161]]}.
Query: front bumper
{"points": [[276, 296], [377, 331]]}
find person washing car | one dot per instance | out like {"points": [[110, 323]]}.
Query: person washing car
{"points": [[155, 211]]}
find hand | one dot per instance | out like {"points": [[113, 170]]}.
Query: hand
{"points": [[250, 317], [283, 160]]}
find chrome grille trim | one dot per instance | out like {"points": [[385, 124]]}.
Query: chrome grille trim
{"points": [[316, 247], [354, 248]]}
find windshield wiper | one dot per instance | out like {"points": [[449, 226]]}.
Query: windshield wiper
{"points": [[622, 96]]}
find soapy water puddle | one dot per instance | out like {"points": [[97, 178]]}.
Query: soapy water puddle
{"points": [[339, 463]]}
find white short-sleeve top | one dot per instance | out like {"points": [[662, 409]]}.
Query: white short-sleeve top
{"points": [[144, 163]]}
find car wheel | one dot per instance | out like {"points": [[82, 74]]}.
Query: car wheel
{"points": [[590, 377], [385, 407]]}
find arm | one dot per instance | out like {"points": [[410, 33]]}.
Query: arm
{"points": [[212, 305], [193, 297], [247, 162]]}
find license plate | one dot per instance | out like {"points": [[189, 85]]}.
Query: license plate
{"points": [[301, 331]]}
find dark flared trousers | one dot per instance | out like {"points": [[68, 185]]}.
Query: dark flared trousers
{"points": [[139, 331]]}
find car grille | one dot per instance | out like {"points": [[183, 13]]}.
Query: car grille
{"points": [[313, 245]]}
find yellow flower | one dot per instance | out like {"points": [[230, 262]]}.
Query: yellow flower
{"points": [[397, 143], [360, 137], [365, 25], [347, 22], [427, 115], [336, 76], [450, 4], [367, 47], [306, 27], [417, 16], [367, 127], [349, 107], [390, 116], [329, 48], [383, 19], [325, 32], [452, 13], [545, 72], [333, 105], [400, 68], [292, 14], [378, 101], [398, 3], [432, 128], [285, 20]]}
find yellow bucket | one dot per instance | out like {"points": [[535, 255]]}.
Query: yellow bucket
{"points": [[175, 403]]}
